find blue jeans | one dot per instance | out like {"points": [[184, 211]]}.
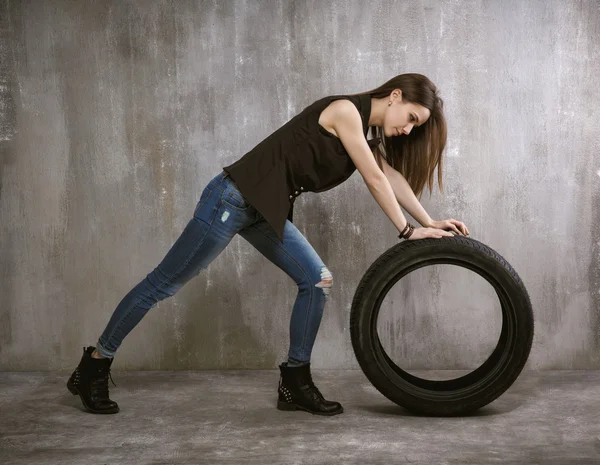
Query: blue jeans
{"points": [[220, 214]]}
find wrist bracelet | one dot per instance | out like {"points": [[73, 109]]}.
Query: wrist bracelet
{"points": [[407, 231]]}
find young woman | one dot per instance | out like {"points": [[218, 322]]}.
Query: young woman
{"points": [[254, 197]]}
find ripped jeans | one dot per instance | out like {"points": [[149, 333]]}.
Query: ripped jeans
{"points": [[220, 214]]}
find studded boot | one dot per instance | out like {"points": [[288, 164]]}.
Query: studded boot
{"points": [[90, 381], [298, 392]]}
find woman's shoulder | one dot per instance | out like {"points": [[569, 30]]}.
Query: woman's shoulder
{"points": [[328, 99]]}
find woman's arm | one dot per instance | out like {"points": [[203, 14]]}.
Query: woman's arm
{"points": [[347, 123], [405, 195]]}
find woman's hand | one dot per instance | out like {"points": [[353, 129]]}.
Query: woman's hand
{"points": [[450, 224], [423, 233]]}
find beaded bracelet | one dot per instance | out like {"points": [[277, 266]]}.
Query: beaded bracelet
{"points": [[407, 231]]}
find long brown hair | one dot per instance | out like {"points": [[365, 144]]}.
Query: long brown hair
{"points": [[417, 154]]}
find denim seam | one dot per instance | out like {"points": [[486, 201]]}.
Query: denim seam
{"points": [[278, 244]]}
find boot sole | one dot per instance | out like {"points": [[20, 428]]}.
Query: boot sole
{"points": [[290, 406], [73, 390]]}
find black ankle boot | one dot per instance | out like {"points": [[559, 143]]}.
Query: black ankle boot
{"points": [[298, 392], [90, 381]]}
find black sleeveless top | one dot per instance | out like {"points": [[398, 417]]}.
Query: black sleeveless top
{"points": [[301, 156]]}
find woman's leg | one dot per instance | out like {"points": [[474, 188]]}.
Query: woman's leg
{"points": [[301, 262], [219, 214]]}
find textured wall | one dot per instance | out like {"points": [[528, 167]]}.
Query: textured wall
{"points": [[114, 115]]}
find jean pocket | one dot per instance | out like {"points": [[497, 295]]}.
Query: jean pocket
{"points": [[232, 197], [203, 199]]}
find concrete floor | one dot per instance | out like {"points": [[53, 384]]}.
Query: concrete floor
{"points": [[229, 417]]}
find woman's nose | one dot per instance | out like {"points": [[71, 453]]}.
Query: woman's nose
{"points": [[408, 128]]}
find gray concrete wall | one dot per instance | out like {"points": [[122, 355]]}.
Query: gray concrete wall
{"points": [[114, 115]]}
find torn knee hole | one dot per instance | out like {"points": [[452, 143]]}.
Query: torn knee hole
{"points": [[326, 281]]}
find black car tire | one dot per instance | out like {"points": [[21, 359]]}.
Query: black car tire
{"points": [[447, 397]]}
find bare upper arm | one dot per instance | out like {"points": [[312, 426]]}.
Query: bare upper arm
{"points": [[347, 123]]}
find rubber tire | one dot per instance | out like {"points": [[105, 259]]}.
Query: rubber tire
{"points": [[455, 396]]}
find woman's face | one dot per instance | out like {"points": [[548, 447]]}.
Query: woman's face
{"points": [[400, 117]]}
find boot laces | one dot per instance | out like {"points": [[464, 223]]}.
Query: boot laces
{"points": [[100, 384], [313, 388], [314, 391]]}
